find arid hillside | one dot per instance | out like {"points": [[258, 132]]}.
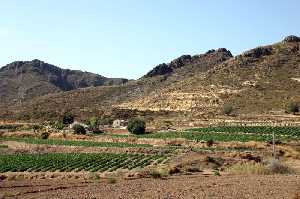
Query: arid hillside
{"points": [[22, 80], [262, 80]]}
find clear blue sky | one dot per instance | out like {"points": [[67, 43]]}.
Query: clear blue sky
{"points": [[126, 38]]}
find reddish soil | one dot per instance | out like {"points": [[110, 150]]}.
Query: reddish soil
{"points": [[198, 186]]}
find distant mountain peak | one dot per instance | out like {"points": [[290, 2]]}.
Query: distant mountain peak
{"points": [[38, 78]]}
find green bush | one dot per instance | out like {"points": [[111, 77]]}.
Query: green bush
{"points": [[79, 129], [293, 108], [106, 121], [58, 125], [93, 122], [136, 126], [68, 118]]}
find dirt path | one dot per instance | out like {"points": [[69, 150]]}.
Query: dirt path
{"points": [[174, 187]]}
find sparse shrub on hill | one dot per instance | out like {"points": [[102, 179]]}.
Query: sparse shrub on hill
{"points": [[68, 118], [227, 109], [293, 108], [79, 129], [136, 126]]}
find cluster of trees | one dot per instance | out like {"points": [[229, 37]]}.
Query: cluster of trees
{"points": [[135, 125]]}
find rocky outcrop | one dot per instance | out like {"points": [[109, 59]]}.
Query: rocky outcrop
{"points": [[181, 61], [258, 52], [202, 62], [291, 38], [161, 69]]}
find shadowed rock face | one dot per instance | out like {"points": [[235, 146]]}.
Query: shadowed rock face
{"points": [[258, 52], [36, 78], [292, 38], [212, 56], [161, 69]]}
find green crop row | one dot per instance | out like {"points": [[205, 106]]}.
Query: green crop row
{"points": [[66, 162], [291, 131], [74, 143], [225, 137]]}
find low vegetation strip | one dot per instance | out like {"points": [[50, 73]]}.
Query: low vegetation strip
{"points": [[223, 137], [66, 162], [74, 143], [291, 131]]}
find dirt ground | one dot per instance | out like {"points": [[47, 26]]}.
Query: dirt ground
{"points": [[194, 186]]}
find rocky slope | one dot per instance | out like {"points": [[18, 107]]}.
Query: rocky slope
{"points": [[27, 79], [259, 81]]}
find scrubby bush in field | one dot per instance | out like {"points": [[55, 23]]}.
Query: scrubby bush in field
{"points": [[93, 125], [227, 109], [210, 142], [58, 125], [96, 131], [36, 127], [45, 135], [106, 121], [93, 122], [79, 129], [293, 108], [136, 126], [276, 167], [68, 118]]}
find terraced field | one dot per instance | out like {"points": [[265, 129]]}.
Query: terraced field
{"points": [[66, 162]]}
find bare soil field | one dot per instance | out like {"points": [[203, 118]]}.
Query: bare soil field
{"points": [[193, 186]]}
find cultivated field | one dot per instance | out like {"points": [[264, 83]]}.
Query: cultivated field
{"points": [[208, 162]]}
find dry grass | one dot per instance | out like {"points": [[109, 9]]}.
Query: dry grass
{"points": [[253, 168], [278, 167], [248, 168]]}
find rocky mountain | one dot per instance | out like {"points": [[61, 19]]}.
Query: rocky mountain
{"points": [[28, 79], [259, 81]]}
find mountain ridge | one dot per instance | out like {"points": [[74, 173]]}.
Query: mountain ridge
{"points": [[35, 78], [257, 81]]}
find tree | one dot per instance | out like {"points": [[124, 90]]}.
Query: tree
{"points": [[79, 129], [68, 118], [136, 126], [93, 122], [293, 108]]}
